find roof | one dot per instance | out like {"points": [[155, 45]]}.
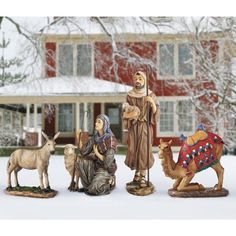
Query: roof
{"points": [[122, 25], [73, 87]]}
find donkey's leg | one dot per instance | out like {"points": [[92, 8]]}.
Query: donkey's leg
{"points": [[10, 168], [186, 186], [40, 171], [220, 175], [16, 177], [46, 178]]}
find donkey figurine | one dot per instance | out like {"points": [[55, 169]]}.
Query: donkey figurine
{"points": [[32, 159]]}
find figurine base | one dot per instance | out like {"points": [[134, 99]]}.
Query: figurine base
{"points": [[208, 192], [34, 192], [135, 189]]}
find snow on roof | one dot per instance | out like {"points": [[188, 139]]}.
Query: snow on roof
{"points": [[114, 25], [131, 25], [64, 86]]}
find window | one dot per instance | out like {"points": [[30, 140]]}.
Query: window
{"points": [[74, 60], [65, 63], [176, 117], [166, 116], [84, 65], [185, 113], [175, 59], [166, 59], [185, 65], [66, 118]]}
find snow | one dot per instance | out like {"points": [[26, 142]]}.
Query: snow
{"points": [[131, 25], [119, 204], [63, 86]]}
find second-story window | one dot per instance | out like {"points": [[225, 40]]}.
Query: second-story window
{"points": [[84, 54], [175, 59], [74, 60], [166, 59], [65, 60], [185, 59]]}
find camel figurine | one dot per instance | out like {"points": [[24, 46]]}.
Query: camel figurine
{"points": [[198, 152]]}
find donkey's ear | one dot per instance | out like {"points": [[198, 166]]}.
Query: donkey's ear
{"points": [[170, 142], [56, 135], [45, 136], [161, 140]]}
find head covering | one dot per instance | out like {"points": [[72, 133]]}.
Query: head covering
{"points": [[139, 92], [106, 129]]}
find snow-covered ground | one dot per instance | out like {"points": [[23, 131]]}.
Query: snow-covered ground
{"points": [[119, 204]]}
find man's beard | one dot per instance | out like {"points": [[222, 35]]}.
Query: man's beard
{"points": [[139, 86]]}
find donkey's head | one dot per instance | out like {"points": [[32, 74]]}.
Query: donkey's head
{"points": [[50, 143]]}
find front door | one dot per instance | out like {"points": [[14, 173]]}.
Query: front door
{"points": [[113, 111]]}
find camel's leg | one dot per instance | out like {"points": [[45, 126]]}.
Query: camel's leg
{"points": [[46, 178], [176, 183], [16, 176], [40, 171], [186, 186], [220, 175], [10, 168]]}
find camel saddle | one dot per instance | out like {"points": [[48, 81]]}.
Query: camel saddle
{"points": [[201, 149], [198, 136]]}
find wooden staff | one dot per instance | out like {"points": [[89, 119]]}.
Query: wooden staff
{"points": [[77, 153], [148, 141]]}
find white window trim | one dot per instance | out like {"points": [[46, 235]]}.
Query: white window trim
{"points": [[74, 46], [176, 132], [65, 134], [176, 61]]}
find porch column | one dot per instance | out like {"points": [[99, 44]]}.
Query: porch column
{"points": [[27, 116], [103, 108], [35, 118], [77, 116], [85, 116]]}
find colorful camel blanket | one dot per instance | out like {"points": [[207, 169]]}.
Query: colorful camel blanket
{"points": [[201, 151]]}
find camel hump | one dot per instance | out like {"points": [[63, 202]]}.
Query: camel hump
{"points": [[195, 138]]}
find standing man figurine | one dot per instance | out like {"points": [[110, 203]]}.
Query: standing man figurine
{"points": [[138, 133]]}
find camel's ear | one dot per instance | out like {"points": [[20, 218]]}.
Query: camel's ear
{"points": [[45, 136], [161, 140], [170, 142], [56, 135]]}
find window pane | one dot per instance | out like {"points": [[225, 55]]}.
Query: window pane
{"points": [[65, 118], [166, 64], [185, 114], [185, 59], [167, 116], [84, 54], [65, 62]]}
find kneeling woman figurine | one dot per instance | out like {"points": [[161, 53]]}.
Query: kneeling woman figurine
{"points": [[97, 164]]}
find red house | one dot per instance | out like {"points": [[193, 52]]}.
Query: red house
{"points": [[112, 49]]}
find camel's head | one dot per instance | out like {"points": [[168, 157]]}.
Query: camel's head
{"points": [[164, 149]]}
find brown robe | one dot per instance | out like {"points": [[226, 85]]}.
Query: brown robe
{"points": [[136, 157]]}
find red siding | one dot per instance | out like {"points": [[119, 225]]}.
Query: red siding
{"points": [[49, 121], [97, 110], [50, 59], [123, 66]]}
